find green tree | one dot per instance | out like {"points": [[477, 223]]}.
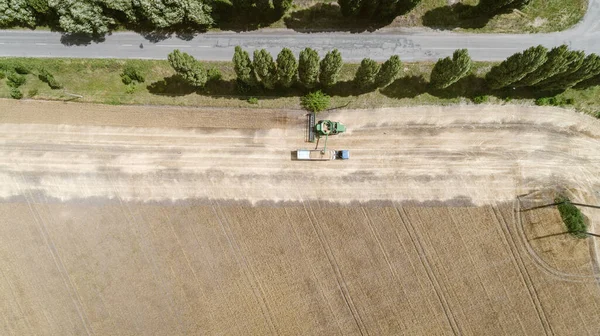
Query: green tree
{"points": [[308, 68], [287, 67], [167, 13], [389, 72], [264, 68], [188, 68], [331, 65], [516, 67], [16, 12], [39, 6], [81, 16], [448, 71], [315, 101], [589, 68], [366, 74], [126, 8], [560, 60], [243, 67]]}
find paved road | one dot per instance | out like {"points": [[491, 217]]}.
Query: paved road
{"points": [[410, 44]]}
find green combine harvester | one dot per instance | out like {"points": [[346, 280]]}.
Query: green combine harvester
{"points": [[326, 128]]}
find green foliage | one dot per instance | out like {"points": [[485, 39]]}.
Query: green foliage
{"points": [[39, 6], [331, 65], [554, 101], [81, 16], [16, 12], [366, 74], [308, 68], [15, 93], [287, 67], [214, 74], [560, 60], [481, 99], [265, 68], [130, 88], [15, 80], [22, 69], [389, 72], [2, 74], [33, 92], [132, 74], [572, 217], [516, 67], [589, 68], [190, 69], [315, 101], [448, 71], [46, 77], [243, 67], [168, 13], [253, 100]]}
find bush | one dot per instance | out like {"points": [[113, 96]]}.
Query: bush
{"points": [[15, 93], [253, 100], [46, 77], [22, 69], [2, 74], [572, 217], [131, 74], [242, 87], [130, 89], [126, 79], [214, 74], [481, 99], [15, 80], [554, 101], [33, 92], [315, 101]]}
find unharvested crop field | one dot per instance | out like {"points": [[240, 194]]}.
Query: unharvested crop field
{"points": [[173, 221]]}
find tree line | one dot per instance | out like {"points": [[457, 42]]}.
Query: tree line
{"points": [[98, 17], [537, 68]]}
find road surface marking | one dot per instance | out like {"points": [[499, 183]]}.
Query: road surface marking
{"points": [[174, 46], [42, 44], [126, 45]]}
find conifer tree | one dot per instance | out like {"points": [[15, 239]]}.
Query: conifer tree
{"points": [[516, 67], [590, 67], [287, 67], [366, 74], [389, 72], [308, 68], [448, 71], [560, 61], [243, 67], [265, 68], [331, 65]]}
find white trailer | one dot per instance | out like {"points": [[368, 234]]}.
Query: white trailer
{"points": [[319, 155]]}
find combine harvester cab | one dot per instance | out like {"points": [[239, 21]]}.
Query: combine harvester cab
{"points": [[328, 127], [319, 155]]}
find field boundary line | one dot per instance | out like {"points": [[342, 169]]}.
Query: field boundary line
{"points": [[412, 233], [336, 269], [242, 261], [525, 276]]}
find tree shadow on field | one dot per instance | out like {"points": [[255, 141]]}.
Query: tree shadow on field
{"points": [[173, 86], [456, 16], [346, 89], [470, 87], [327, 17], [228, 18], [406, 87]]}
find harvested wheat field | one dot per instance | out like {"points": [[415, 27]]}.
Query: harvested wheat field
{"points": [[166, 221]]}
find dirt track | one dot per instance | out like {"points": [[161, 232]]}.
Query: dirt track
{"points": [[478, 155], [92, 244]]}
